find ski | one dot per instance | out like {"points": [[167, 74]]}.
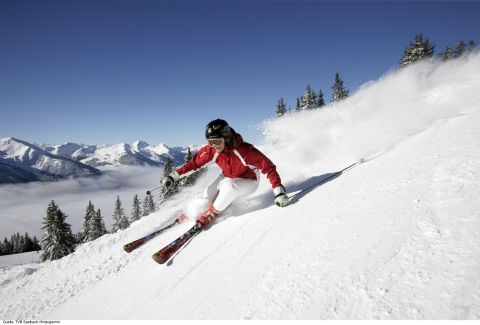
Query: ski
{"points": [[168, 251], [139, 242]]}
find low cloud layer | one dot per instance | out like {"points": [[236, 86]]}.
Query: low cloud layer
{"points": [[23, 206]]}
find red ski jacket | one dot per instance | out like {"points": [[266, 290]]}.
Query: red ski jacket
{"points": [[237, 162]]}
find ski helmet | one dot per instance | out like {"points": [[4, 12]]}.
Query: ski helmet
{"points": [[217, 129]]}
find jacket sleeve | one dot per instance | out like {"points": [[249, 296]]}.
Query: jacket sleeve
{"points": [[257, 159], [199, 159]]}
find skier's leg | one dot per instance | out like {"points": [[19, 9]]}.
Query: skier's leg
{"points": [[229, 190], [232, 189], [198, 205]]}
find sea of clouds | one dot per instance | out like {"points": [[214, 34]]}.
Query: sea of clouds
{"points": [[23, 206]]}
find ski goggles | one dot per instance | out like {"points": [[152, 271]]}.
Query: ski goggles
{"points": [[216, 142]]}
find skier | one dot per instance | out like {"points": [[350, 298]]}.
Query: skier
{"points": [[241, 164]]}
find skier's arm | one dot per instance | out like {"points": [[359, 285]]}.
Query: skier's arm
{"points": [[199, 159], [202, 157], [257, 159], [266, 166]]}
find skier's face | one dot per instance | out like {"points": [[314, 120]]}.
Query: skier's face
{"points": [[217, 143]]}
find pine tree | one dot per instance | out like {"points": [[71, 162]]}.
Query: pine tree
{"points": [[57, 239], [190, 179], [459, 49], [15, 240], [103, 229], [97, 226], [36, 244], [86, 232], [151, 203], [320, 100], [5, 247], [136, 211], [168, 168], [339, 91], [29, 245], [166, 193], [418, 50], [309, 99], [281, 108], [120, 221], [472, 46], [298, 107], [146, 209], [448, 54], [453, 52]]}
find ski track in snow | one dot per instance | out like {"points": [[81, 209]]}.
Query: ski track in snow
{"points": [[396, 237]]}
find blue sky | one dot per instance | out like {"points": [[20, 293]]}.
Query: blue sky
{"points": [[114, 71]]}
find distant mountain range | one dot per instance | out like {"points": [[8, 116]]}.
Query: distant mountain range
{"points": [[21, 161]]}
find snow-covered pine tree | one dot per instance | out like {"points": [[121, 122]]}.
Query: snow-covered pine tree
{"points": [[148, 205], [339, 91], [309, 99], [151, 203], [459, 49], [7, 247], [85, 235], [97, 226], [472, 46], [167, 170], [320, 100], [36, 244], [29, 245], [281, 108], [120, 221], [418, 50], [15, 240], [2, 248], [298, 106], [190, 179], [136, 210], [146, 211], [102, 222], [57, 239], [448, 54]]}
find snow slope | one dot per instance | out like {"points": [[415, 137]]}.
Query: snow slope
{"points": [[395, 237]]}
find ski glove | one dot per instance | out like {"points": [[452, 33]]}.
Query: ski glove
{"points": [[168, 181], [281, 198]]}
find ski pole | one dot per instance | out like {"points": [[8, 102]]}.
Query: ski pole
{"points": [[323, 180], [156, 188]]}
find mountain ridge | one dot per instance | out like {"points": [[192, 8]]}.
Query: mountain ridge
{"points": [[22, 161]]}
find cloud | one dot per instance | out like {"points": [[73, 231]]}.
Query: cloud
{"points": [[23, 206]]}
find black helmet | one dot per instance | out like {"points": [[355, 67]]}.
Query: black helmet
{"points": [[217, 128]]}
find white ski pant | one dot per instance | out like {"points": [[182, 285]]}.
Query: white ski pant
{"points": [[223, 191]]}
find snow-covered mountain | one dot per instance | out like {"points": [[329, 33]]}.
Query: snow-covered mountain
{"points": [[395, 237], [21, 161], [140, 153]]}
